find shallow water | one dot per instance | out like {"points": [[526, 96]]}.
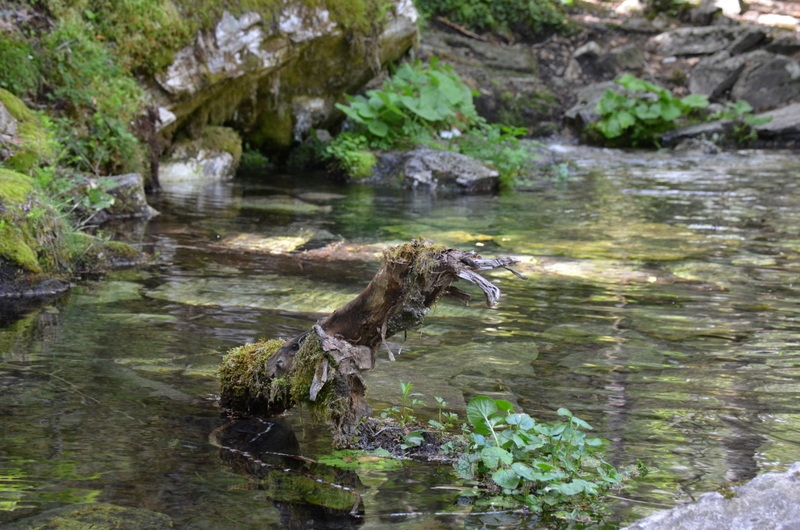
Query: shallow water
{"points": [[661, 307]]}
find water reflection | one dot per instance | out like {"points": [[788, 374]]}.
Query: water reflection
{"points": [[662, 307]]}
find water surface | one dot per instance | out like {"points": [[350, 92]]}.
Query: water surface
{"points": [[661, 307]]}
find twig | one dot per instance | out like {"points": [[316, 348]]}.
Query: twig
{"points": [[461, 29]]}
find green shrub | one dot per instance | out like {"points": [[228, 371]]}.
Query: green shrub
{"points": [[352, 154], [642, 111], [529, 20], [424, 105], [552, 468], [412, 106], [95, 98]]}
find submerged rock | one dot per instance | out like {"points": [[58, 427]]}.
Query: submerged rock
{"points": [[771, 500], [97, 516]]}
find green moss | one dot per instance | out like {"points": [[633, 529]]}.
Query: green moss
{"points": [[14, 246], [36, 145], [87, 253], [14, 187], [243, 375], [20, 66]]}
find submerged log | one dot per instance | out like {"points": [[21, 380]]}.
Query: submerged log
{"points": [[321, 366]]}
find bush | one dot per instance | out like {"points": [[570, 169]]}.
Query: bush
{"points": [[642, 111], [424, 105], [528, 20], [95, 98]]}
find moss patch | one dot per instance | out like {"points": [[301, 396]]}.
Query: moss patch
{"points": [[244, 380], [35, 144]]}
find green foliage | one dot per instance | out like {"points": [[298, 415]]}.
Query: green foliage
{"points": [[552, 468], [498, 145], [638, 115], [424, 105], [144, 33], [351, 153], [528, 20], [404, 412], [744, 122], [20, 65], [99, 100], [412, 106]]}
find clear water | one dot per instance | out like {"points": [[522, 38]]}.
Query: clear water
{"points": [[662, 307]]}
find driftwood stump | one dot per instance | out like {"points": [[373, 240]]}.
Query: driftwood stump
{"points": [[321, 366]]}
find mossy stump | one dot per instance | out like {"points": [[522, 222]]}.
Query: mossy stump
{"points": [[321, 366]]}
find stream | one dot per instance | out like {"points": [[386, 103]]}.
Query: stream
{"points": [[660, 307]]}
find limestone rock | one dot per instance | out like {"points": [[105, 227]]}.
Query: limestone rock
{"points": [[433, 169], [130, 201], [214, 156], [583, 112], [254, 72], [785, 122]]}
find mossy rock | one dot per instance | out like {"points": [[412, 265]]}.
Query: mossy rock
{"points": [[34, 145]]}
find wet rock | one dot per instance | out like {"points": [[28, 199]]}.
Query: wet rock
{"points": [[434, 169], [98, 516], [130, 201], [214, 156], [768, 80], [771, 500], [784, 122], [583, 112], [716, 74]]}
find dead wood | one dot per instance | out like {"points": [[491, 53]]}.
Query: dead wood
{"points": [[320, 367]]}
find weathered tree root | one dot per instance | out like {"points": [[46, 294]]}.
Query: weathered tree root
{"points": [[320, 367]]}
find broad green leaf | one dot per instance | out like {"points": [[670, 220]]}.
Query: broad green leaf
{"points": [[525, 471], [625, 119], [478, 411], [524, 421], [378, 128], [503, 405], [580, 423], [669, 110], [647, 111], [594, 442], [492, 456], [465, 469], [506, 479], [697, 101]]}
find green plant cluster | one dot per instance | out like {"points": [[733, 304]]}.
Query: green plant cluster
{"points": [[413, 105], [744, 121], [515, 461], [552, 468], [642, 111], [528, 20], [424, 104]]}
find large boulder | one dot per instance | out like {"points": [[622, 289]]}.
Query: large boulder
{"points": [[275, 75], [432, 169], [704, 40], [768, 81]]}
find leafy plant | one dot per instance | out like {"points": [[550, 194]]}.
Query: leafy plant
{"points": [[642, 111], [412, 106], [547, 467], [352, 154], [424, 105], [404, 413], [744, 122]]}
